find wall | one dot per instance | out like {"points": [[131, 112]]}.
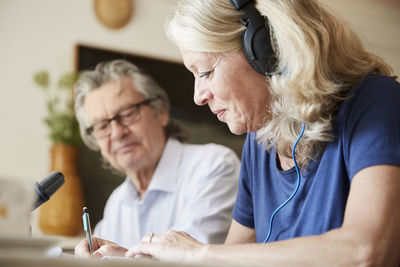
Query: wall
{"points": [[378, 24], [41, 34]]}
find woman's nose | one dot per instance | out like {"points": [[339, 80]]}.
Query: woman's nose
{"points": [[202, 93]]}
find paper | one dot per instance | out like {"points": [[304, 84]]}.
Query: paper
{"points": [[16, 200], [115, 258]]}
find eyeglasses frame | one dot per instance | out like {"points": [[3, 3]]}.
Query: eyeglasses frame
{"points": [[89, 130]]}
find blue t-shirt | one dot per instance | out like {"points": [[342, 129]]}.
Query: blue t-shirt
{"points": [[367, 133]]}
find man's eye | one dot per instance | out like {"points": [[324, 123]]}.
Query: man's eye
{"points": [[100, 126], [127, 113], [205, 74]]}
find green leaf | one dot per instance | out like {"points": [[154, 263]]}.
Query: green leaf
{"points": [[67, 80], [60, 120], [41, 78]]}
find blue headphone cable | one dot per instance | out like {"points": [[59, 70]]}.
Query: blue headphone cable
{"points": [[295, 190]]}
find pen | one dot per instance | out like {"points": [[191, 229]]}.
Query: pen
{"points": [[86, 227]]}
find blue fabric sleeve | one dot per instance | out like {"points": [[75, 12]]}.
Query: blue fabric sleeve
{"points": [[372, 126], [243, 210]]}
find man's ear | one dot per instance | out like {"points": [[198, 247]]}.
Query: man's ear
{"points": [[163, 116]]}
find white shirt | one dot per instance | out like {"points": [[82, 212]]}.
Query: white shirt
{"points": [[193, 189]]}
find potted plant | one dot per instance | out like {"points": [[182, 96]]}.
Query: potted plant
{"points": [[61, 215], [61, 121]]}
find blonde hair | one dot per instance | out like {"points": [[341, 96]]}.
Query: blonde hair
{"points": [[320, 60]]}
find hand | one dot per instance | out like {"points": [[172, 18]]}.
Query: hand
{"points": [[101, 248], [170, 246]]}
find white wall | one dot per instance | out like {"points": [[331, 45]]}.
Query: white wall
{"points": [[377, 22], [41, 34]]}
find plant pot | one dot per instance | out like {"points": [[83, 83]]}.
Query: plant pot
{"points": [[62, 213]]}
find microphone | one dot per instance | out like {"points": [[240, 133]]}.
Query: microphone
{"points": [[47, 187]]}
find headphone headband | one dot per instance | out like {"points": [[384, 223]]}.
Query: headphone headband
{"points": [[238, 4]]}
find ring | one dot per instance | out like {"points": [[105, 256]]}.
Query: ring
{"points": [[151, 237]]}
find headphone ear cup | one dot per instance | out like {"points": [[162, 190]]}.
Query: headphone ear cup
{"points": [[253, 46], [256, 38], [257, 47]]}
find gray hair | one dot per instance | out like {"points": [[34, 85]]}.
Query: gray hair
{"points": [[114, 70]]}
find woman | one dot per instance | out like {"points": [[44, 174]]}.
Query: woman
{"points": [[320, 176]]}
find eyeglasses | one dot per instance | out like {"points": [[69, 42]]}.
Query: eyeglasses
{"points": [[125, 117]]}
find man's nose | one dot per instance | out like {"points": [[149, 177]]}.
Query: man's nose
{"points": [[202, 93], [117, 130]]}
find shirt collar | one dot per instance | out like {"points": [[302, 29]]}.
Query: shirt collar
{"points": [[165, 176], [166, 173], [129, 191]]}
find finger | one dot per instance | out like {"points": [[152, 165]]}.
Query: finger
{"points": [[97, 254], [148, 237], [142, 248], [111, 250], [145, 238], [98, 242], [82, 249]]}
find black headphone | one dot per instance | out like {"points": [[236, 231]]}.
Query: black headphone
{"points": [[256, 38]]}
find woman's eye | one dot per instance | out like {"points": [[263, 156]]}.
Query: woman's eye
{"points": [[205, 74]]}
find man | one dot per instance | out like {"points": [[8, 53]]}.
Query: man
{"points": [[124, 114]]}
